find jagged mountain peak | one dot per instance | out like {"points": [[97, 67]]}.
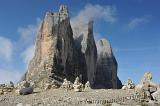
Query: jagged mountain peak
{"points": [[58, 55]]}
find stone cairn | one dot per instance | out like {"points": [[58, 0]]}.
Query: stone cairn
{"points": [[22, 88], [78, 87], [50, 85], [149, 91], [87, 86], [4, 89], [129, 85], [147, 86], [67, 84]]}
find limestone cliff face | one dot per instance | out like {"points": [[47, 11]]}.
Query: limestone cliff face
{"points": [[54, 48], [62, 54], [106, 74]]}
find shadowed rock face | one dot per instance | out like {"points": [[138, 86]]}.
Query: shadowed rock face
{"points": [[87, 52], [58, 55], [90, 54], [106, 74]]}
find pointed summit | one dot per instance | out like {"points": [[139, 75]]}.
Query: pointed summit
{"points": [[63, 9]]}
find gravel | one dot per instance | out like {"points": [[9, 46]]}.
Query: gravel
{"points": [[61, 97]]}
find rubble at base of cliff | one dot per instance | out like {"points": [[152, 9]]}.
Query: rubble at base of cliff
{"points": [[71, 94]]}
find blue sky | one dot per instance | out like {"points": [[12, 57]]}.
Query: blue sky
{"points": [[131, 26]]}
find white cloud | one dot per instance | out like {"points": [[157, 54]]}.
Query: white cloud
{"points": [[25, 43], [9, 75], [95, 12], [6, 48], [137, 22], [29, 32], [28, 54], [28, 36]]}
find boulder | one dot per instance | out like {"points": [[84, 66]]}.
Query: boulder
{"points": [[25, 91], [156, 96], [24, 88], [124, 87]]}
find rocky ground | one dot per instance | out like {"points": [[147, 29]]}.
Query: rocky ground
{"points": [[61, 97]]}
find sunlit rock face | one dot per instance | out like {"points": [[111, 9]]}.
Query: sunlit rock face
{"points": [[106, 74], [54, 49]]}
